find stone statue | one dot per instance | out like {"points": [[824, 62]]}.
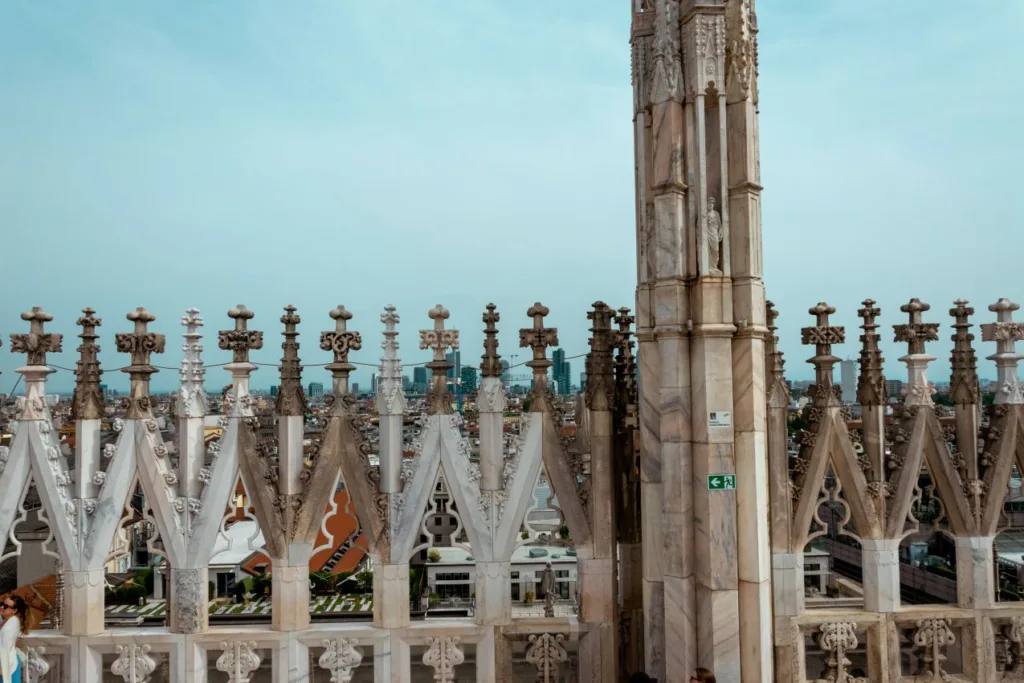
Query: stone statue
{"points": [[713, 235], [547, 590]]}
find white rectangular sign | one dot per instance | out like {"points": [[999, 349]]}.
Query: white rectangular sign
{"points": [[720, 419]]}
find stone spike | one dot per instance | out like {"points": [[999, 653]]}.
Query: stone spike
{"points": [[37, 343], [491, 361], [964, 386], [87, 402], [341, 341], [600, 389], [1006, 333], [141, 344], [192, 395], [390, 363], [823, 335], [241, 340], [774, 362], [291, 399], [625, 361], [916, 333], [871, 381]]}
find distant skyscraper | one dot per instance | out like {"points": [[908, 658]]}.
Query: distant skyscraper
{"points": [[406, 383], [583, 380], [355, 388], [373, 384], [894, 387], [561, 372], [316, 390], [273, 391], [506, 373], [419, 379], [468, 379], [456, 358], [848, 370]]}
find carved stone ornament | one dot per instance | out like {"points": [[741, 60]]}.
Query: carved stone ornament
{"points": [[192, 395], [87, 402], [291, 399], [439, 340], [133, 663], [916, 334], [340, 658], [390, 397], [871, 382], [340, 342], [241, 340], [443, 655], [238, 660], [37, 343], [538, 338], [36, 665], [141, 344], [835, 640], [964, 386], [712, 236], [490, 365], [666, 82], [1006, 333], [931, 638], [776, 390], [823, 335], [741, 56], [547, 653], [600, 389], [1013, 662]]}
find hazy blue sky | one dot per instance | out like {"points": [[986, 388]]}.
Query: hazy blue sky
{"points": [[177, 154]]}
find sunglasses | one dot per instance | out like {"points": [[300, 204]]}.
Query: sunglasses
{"points": [[7, 605]]}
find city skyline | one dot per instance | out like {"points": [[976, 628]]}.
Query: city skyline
{"points": [[210, 151]]}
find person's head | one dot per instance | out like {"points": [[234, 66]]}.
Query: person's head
{"points": [[641, 678], [14, 606], [702, 675]]}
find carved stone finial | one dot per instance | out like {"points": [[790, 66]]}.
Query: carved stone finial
{"points": [[823, 335], [625, 361], [1006, 333], [37, 343], [192, 396], [600, 390], [916, 334], [340, 342], [87, 402], [291, 399], [390, 399], [871, 382], [774, 362], [964, 386], [491, 361], [439, 340], [539, 338], [241, 340], [141, 344]]}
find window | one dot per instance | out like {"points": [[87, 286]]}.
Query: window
{"points": [[437, 538]]}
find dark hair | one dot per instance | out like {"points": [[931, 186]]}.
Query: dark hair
{"points": [[704, 675], [20, 611]]}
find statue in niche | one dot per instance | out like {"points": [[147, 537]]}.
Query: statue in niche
{"points": [[713, 235], [547, 590]]}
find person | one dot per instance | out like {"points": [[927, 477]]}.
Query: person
{"points": [[702, 675], [15, 613]]}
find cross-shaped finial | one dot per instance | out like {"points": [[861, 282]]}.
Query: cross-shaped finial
{"points": [[37, 343], [491, 361], [340, 341], [439, 338], [241, 340], [625, 320], [823, 335], [390, 318], [87, 402], [140, 343], [961, 311], [538, 338], [1006, 333], [191, 321], [916, 333], [290, 318]]}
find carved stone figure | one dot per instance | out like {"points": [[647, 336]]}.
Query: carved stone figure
{"points": [[713, 236], [547, 590]]}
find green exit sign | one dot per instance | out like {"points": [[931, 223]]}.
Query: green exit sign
{"points": [[721, 482]]}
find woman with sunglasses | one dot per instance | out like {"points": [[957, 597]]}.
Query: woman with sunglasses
{"points": [[14, 612]]}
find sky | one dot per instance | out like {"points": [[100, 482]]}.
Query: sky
{"points": [[463, 152]]}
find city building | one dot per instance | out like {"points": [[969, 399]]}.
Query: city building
{"points": [[561, 372], [316, 390], [419, 379], [894, 387], [454, 372], [506, 373], [848, 375], [469, 382]]}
